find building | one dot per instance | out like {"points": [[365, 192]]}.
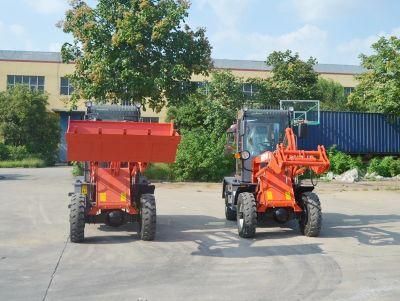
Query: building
{"points": [[46, 72]]}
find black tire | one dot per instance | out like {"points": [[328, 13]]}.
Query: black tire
{"points": [[246, 215], [77, 218], [230, 214], [311, 217], [147, 217]]}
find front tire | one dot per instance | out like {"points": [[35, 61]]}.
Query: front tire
{"points": [[147, 218], [311, 217], [77, 218], [246, 215]]}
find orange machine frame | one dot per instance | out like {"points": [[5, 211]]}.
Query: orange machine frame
{"points": [[275, 172], [118, 151]]}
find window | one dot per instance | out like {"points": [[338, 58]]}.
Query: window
{"points": [[150, 119], [249, 90], [263, 132], [65, 86], [348, 90], [202, 86], [34, 82]]}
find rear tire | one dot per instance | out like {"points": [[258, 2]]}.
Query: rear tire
{"points": [[246, 215], [230, 214], [147, 217], [77, 218], [311, 217]]}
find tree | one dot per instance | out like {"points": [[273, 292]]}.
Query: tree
{"points": [[331, 95], [133, 51], [201, 157], [203, 121], [213, 111], [226, 89], [24, 121], [379, 86], [265, 97], [292, 78]]}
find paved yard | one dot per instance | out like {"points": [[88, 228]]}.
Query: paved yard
{"points": [[197, 254]]}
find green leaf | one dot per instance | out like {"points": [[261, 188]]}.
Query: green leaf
{"points": [[133, 51]]}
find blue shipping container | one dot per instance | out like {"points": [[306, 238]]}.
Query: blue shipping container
{"points": [[355, 133]]}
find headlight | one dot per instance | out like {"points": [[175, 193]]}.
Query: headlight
{"points": [[244, 155]]}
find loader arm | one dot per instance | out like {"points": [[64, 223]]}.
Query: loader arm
{"points": [[274, 172]]}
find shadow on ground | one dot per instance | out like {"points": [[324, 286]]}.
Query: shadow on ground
{"points": [[371, 230], [8, 177], [115, 235], [218, 238]]}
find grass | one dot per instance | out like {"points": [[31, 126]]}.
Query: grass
{"points": [[77, 169], [26, 163], [155, 171], [159, 171]]}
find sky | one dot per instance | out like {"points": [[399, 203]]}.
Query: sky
{"points": [[332, 31]]}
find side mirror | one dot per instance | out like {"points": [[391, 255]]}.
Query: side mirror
{"points": [[302, 130]]}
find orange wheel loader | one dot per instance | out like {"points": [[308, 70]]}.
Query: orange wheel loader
{"points": [[115, 148], [268, 165]]}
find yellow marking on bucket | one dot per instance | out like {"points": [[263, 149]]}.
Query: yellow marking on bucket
{"points": [[103, 197], [123, 197], [288, 196], [269, 195]]}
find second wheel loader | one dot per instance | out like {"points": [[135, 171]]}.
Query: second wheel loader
{"points": [[115, 149], [268, 165]]}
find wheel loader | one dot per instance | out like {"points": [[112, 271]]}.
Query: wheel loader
{"points": [[268, 166], [115, 148]]}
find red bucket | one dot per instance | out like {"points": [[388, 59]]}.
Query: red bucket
{"points": [[123, 141]]}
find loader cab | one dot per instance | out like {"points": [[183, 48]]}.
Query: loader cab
{"points": [[255, 132], [106, 112]]}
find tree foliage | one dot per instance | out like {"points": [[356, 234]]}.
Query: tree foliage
{"points": [[226, 89], [203, 121], [265, 97], [379, 86], [133, 51], [201, 157], [292, 78], [201, 112], [213, 111], [331, 95], [25, 123]]}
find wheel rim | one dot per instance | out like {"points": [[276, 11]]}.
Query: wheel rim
{"points": [[241, 222], [240, 218]]}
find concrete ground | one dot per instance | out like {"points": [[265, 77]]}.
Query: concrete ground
{"points": [[197, 254]]}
